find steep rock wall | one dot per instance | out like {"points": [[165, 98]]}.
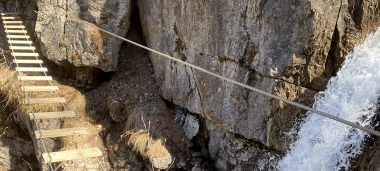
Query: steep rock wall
{"points": [[68, 41], [254, 43], [289, 49]]}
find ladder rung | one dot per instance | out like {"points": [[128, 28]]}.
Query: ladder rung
{"points": [[22, 47], [52, 115], [71, 155], [20, 41], [35, 78], [39, 88], [20, 61], [31, 69], [10, 18], [25, 54], [14, 27], [45, 100], [16, 31], [52, 133], [12, 22], [9, 13], [18, 36]]}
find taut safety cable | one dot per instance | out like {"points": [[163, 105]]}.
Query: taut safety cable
{"points": [[354, 125]]}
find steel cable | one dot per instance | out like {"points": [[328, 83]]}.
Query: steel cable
{"points": [[354, 125]]}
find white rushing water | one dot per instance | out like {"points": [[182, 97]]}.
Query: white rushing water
{"points": [[323, 144]]}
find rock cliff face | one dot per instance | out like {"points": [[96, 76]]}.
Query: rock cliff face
{"points": [[289, 49], [67, 41]]}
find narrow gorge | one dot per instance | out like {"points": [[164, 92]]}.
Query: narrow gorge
{"points": [[287, 48]]}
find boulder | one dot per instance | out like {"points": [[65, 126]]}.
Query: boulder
{"points": [[67, 37]]}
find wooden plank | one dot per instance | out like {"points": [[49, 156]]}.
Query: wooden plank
{"points": [[45, 100], [10, 18], [9, 13], [35, 78], [19, 42], [18, 37], [20, 61], [52, 115], [16, 31], [31, 69], [71, 155], [21, 27], [39, 88], [24, 54], [22, 47], [53, 133], [12, 22]]}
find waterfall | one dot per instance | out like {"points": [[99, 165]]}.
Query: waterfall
{"points": [[323, 144]]}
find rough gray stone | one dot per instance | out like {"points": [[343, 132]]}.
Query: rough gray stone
{"points": [[237, 153], [191, 126], [13, 149], [66, 40], [251, 42], [289, 49]]}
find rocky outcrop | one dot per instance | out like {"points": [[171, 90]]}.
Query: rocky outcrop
{"points": [[289, 49], [67, 40], [238, 153]]}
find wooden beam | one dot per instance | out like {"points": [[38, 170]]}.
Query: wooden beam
{"points": [[20, 61], [14, 27], [22, 47], [20, 42], [12, 22], [39, 88], [18, 37], [52, 115], [53, 133], [45, 100], [24, 54], [16, 31], [31, 69], [35, 78], [9, 13], [71, 155], [10, 18]]}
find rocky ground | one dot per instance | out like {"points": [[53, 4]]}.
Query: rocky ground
{"points": [[133, 84], [16, 147]]}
